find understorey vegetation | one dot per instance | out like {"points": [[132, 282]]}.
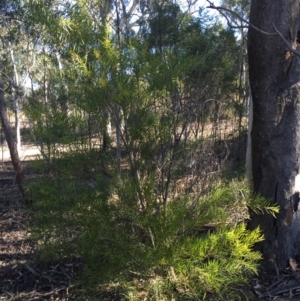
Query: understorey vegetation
{"points": [[193, 246], [142, 129]]}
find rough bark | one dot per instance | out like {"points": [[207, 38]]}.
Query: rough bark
{"points": [[9, 136], [275, 85]]}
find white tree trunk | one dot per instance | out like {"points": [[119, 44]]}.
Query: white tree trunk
{"points": [[108, 124], [16, 98], [11, 141], [64, 96]]}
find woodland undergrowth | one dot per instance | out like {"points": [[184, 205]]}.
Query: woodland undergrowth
{"points": [[136, 129], [192, 247]]}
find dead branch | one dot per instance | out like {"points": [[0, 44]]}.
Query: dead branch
{"points": [[220, 9], [276, 33]]}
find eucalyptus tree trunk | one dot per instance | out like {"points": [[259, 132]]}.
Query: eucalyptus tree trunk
{"points": [[119, 127], [275, 85], [16, 98], [249, 143], [63, 99], [105, 15], [9, 136]]}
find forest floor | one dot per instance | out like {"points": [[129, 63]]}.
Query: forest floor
{"points": [[29, 151], [24, 277]]}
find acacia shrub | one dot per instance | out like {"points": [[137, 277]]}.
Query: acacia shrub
{"points": [[162, 252]]}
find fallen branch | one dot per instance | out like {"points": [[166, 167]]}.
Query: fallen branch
{"points": [[39, 296], [281, 289]]}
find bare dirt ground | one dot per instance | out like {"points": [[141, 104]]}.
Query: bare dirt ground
{"points": [[28, 152]]}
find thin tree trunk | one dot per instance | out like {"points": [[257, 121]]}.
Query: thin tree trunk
{"points": [[16, 98], [11, 141], [64, 96], [119, 124], [249, 143], [107, 132]]}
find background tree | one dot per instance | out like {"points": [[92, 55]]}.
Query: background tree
{"points": [[14, 73]]}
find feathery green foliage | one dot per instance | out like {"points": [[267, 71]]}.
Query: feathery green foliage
{"points": [[154, 219], [172, 249]]}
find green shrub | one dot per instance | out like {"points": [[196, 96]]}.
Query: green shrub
{"points": [[184, 249]]}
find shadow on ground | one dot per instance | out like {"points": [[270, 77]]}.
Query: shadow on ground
{"points": [[22, 276]]}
